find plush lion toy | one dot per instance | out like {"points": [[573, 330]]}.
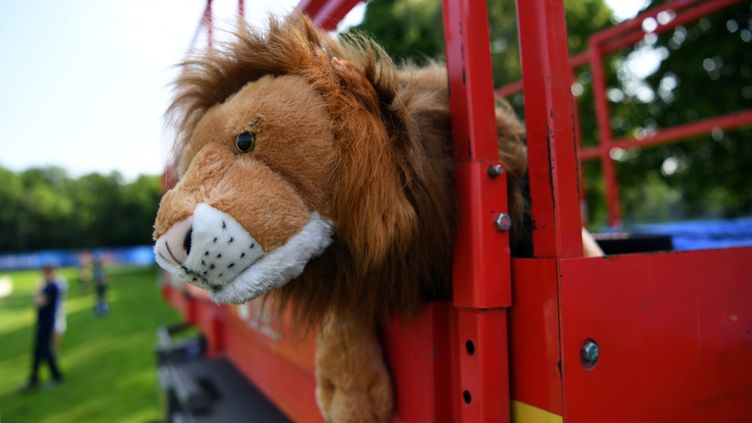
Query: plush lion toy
{"points": [[317, 170]]}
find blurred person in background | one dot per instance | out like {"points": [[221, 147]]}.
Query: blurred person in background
{"points": [[100, 285], [46, 301], [61, 323], [85, 271]]}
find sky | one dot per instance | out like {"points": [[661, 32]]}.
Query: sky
{"points": [[84, 83]]}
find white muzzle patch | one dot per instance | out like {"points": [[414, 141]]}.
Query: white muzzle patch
{"points": [[228, 262]]}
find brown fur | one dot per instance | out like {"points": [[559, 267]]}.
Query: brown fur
{"points": [[383, 168]]}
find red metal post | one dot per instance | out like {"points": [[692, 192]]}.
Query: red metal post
{"points": [[550, 133], [604, 134], [481, 271]]}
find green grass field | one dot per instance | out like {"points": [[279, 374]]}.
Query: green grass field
{"points": [[109, 362]]}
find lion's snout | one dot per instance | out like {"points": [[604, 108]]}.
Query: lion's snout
{"points": [[209, 248], [212, 250]]}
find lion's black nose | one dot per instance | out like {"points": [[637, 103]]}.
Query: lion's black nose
{"points": [[187, 241], [175, 244]]}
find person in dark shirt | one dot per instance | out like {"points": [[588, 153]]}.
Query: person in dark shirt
{"points": [[101, 308], [46, 302]]}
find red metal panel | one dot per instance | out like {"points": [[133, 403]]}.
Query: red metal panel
{"points": [[419, 354], [550, 135], [675, 337], [288, 385], [207, 318], [534, 352]]}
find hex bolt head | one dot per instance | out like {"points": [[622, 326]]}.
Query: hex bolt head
{"points": [[503, 222], [495, 170], [589, 354]]}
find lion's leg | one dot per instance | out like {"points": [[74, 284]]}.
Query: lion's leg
{"points": [[352, 382]]}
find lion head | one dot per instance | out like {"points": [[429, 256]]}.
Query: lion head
{"points": [[312, 166]]}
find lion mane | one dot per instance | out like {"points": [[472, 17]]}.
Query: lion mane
{"points": [[391, 183]]}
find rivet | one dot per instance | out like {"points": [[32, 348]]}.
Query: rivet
{"points": [[495, 171], [503, 222], [589, 354]]}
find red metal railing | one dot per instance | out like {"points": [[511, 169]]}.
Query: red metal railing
{"points": [[611, 40]]}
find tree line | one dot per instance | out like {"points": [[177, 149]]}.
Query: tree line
{"points": [[46, 208]]}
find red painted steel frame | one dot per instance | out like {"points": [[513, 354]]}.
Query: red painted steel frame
{"points": [[620, 36], [675, 329]]}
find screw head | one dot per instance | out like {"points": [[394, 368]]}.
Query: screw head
{"points": [[495, 170], [503, 222], [589, 354]]}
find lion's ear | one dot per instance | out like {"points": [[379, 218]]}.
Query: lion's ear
{"points": [[369, 73], [356, 83]]}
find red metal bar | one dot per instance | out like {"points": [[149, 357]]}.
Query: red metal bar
{"points": [[550, 133], [327, 13], [578, 138], [311, 7], [481, 271], [686, 11], [677, 133], [613, 200], [515, 87], [201, 23], [209, 24], [241, 8], [509, 89]]}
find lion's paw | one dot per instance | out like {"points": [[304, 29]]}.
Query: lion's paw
{"points": [[359, 403]]}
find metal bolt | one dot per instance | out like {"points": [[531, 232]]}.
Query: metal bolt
{"points": [[495, 170], [503, 222], [590, 354]]}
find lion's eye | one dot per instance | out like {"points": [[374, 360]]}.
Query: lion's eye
{"points": [[245, 141]]}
